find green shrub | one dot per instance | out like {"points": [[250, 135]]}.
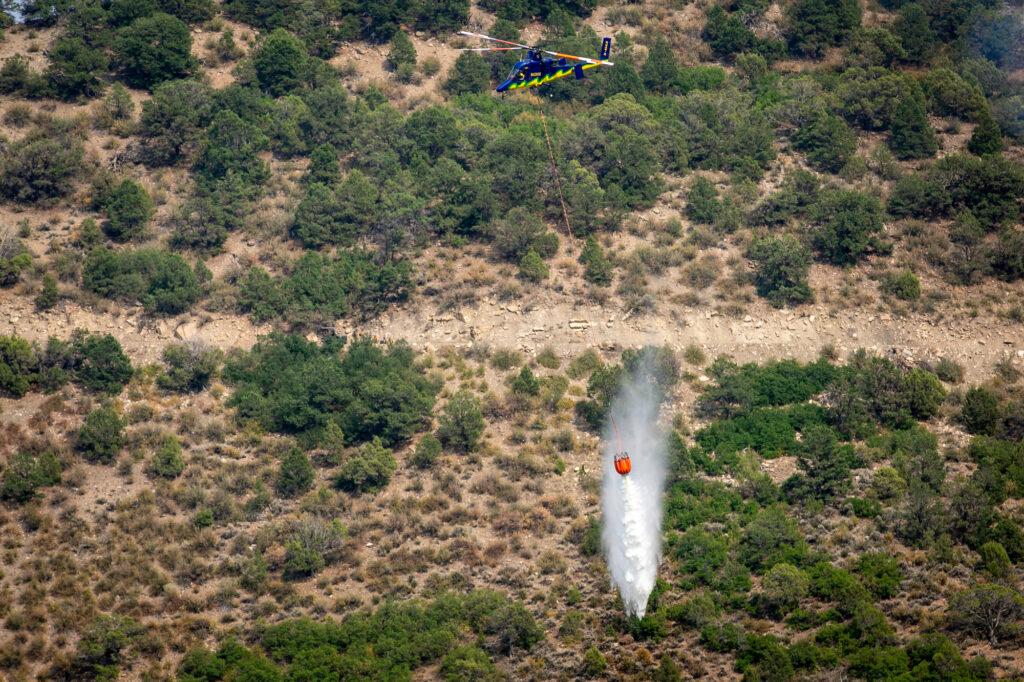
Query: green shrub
{"points": [[167, 461], [75, 69], [517, 233], [872, 663], [162, 282], [101, 436], [594, 663], [887, 484], [880, 573], [469, 74], [14, 259], [410, 635], [427, 451], [781, 268], [319, 288], [768, 431], [188, 367], [462, 422], [295, 474], [17, 366], [782, 588], [173, 120], [465, 663], [724, 130], [291, 385], [533, 268], [769, 539], [815, 25], [40, 166], [915, 34], [230, 155], [695, 612], [280, 63], [865, 508], [950, 95], [902, 285], [846, 224], [25, 473], [97, 362], [825, 464], [702, 204], [836, 585], [781, 382], [368, 470], [401, 52], [873, 390], [726, 33], [102, 648], [828, 142], [597, 269], [911, 134], [991, 612], [49, 293], [525, 383], [129, 209], [323, 166], [154, 49], [981, 411], [986, 186], [996, 561], [986, 138], [722, 638]]}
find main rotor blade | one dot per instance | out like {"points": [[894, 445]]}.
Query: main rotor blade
{"points": [[497, 40], [489, 49], [586, 60]]}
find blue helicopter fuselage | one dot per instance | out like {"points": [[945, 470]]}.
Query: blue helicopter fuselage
{"points": [[537, 70]]}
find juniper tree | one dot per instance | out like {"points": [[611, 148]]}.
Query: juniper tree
{"points": [[911, 135]]}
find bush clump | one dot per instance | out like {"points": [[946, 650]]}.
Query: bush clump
{"points": [[295, 475], [188, 367], [129, 209], [462, 422], [291, 385], [26, 472], [903, 285], [162, 282], [167, 461], [782, 265], [101, 436], [367, 470]]}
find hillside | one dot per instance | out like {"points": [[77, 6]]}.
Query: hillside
{"points": [[308, 339]]}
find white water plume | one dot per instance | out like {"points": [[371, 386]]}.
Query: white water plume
{"points": [[631, 505]]}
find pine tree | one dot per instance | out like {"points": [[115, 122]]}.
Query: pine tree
{"points": [[825, 464], [402, 52], [533, 267], [334, 442], [167, 461], [828, 142], [911, 135], [661, 70], [323, 166], [702, 201], [915, 33], [987, 138], [49, 295], [296, 473], [597, 269]]}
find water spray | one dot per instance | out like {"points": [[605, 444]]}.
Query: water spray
{"points": [[633, 481]]}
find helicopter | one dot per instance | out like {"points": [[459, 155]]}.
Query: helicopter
{"points": [[537, 69]]}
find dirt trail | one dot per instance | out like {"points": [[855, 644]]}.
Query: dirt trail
{"points": [[571, 328]]}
